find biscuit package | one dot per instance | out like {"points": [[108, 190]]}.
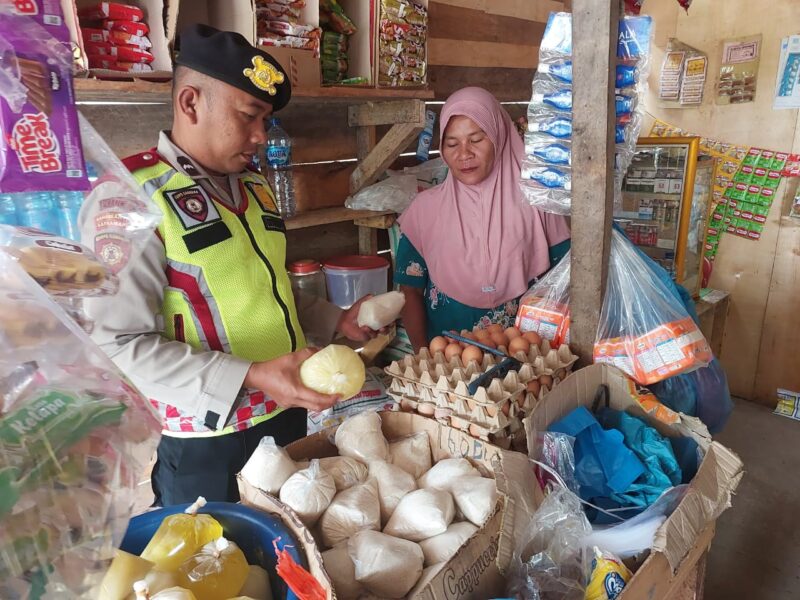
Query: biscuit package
{"points": [[62, 267], [75, 439], [47, 13], [41, 144]]}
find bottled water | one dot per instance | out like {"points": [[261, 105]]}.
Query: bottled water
{"points": [[68, 206], [279, 166], [8, 210], [37, 210]]}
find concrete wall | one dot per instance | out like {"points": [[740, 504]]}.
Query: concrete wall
{"points": [[763, 332]]}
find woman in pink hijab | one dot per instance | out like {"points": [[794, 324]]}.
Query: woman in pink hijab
{"points": [[473, 245]]}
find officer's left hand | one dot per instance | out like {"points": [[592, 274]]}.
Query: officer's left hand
{"points": [[348, 324]]}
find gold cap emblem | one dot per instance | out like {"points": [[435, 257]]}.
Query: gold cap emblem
{"points": [[263, 75]]}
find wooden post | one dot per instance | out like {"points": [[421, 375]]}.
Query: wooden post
{"points": [[595, 25]]}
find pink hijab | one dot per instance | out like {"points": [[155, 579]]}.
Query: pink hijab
{"points": [[483, 243]]}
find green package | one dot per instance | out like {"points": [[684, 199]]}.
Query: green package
{"points": [[738, 192], [773, 180], [744, 175], [759, 176], [751, 158], [779, 161], [766, 196], [764, 161], [753, 194]]}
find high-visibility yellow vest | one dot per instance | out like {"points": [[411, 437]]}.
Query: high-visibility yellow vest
{"points": [[228, 289]]}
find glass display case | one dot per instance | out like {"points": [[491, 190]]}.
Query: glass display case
{"points": [[666, 199]]}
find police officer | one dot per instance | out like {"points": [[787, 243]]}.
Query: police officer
{"points": [[205, 323]]}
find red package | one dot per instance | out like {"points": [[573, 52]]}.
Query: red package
{"points": [[107, 62], [132, 54], [131, 27], [118, 38], [111, 10]]}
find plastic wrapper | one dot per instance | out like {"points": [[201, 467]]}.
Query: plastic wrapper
{"points": [[412, 454], [557, 452], [41, 142], [342, 572], [268, 38], [404, 11], [476, 498], [276, 11], [544, 308], [442, 547], [361, 437], [336, 369], [548, 560], [292, 29], [75, 440], [115, 36], [393, 485], [109, 51], [422, 514], [60, 266], [608, 576], [309, 492], [102, 62], [346, 472], [337, 18], [46, 13], [217, 568], [403, 31], [269, 466], [111, 10], [445, 472], [386, 566], [703, 393], [355, 509], [644, 328], [131, 27], [381, 311]]}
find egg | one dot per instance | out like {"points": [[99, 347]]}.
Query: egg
{"points": [[499, 339], [534, 387], [494, 328], [438, 344], [471, 353], [519, 344], [488, 342], [452, 350], [482, 335], [512, 332], [546, 380], [469, 336], [534, 338]]}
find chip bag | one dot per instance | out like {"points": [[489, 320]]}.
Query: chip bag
{"points": [[75, 440], [544, 308]]}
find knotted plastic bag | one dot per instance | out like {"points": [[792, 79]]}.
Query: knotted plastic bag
{"points": [[544, 308]]}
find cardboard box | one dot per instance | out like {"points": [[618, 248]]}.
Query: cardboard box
{"points": [[376, 50], [161, 16], [476, 571], [710, 492], [301, 65]]}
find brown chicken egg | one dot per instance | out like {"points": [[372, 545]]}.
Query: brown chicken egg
{"points": [[438, 344], [471, 353], [534, 387], [452, 350], [499, 339], [468, 335], [534, 338], [482, 334], [519, 344], [494, 328], [546, 380], [512, 332]]}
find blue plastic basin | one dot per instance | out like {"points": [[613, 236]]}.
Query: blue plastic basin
{"points": [[252, 530]]}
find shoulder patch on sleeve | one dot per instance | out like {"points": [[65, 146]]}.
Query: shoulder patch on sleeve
{"points": [[148, 158]]}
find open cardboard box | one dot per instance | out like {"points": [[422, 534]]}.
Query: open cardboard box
{"points": [[161, 17], [687, 532], [476, 570]]}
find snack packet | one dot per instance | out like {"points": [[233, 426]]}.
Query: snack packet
{"points": [[130, 27], [46, 13], [40, 147], [111, 10]]}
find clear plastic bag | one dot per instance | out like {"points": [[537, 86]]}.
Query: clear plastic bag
{"points": [[557, 452], [544, 308], [548, 560], [644, 328], [394, 193], [75, 439], [60, 266]]}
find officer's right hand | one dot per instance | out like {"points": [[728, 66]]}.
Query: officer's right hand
{"points": [[279, 379]]}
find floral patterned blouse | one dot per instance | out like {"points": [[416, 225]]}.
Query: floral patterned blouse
{"points": [[443, 312]]}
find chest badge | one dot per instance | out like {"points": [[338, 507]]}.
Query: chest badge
{"points": [[263, 75], [192, 206]]}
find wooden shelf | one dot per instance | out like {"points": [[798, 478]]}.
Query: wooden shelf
{"points": [[140, 90], [326, 216]]}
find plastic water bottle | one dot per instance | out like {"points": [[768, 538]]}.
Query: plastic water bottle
{"points": [[69, 205], [8, 210], [37, 210], [279, 164]]}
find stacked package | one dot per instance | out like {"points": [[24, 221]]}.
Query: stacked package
{"points": [[337, 29], [115, 37], [546, 172], [279, 24], [401, 42]]}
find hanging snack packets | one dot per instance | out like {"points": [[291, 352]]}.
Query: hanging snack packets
{"points": [[284, 28], [111, 10], [40, 146], [278, 12], [403, 30], [268, 38], [402, 11]]}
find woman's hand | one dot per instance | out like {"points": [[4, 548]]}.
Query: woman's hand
{"points": [[348, 324], [279, 379]]}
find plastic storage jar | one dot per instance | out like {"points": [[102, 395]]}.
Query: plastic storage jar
{"points": [[307, 277], [350, 278]]}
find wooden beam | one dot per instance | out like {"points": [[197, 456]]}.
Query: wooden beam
{"points": [[384, 153], [595, 26], [461, 53], [327, 216], [386, 113], [366, 137]]}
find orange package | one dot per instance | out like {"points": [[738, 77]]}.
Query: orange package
{"points": [[544, 308]]}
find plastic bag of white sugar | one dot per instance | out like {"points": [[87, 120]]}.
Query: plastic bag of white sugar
{"points": [[387, 566], [309, 492], [412, 454], [476, 498], [443, 473], [342, 571], [422, 514], [269, 467], [393, 485], [380, 311], [351, 511], [346, 471], [442, 547], [361, 437]]}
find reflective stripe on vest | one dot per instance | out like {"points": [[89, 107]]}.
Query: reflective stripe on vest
{"points": [[227, 287]]}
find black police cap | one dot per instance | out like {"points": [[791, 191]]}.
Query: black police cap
{"points": [[229, 57]]}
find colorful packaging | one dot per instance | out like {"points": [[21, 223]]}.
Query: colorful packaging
{"points": [[93, 36], [609, 576], [278, 12], [46, 13], [267, 38], [403, 11], [335, 17], [41, 144], [111, 10], [544, 308], [132, 54], [98, 61], [283, 28], [131, 27]]}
